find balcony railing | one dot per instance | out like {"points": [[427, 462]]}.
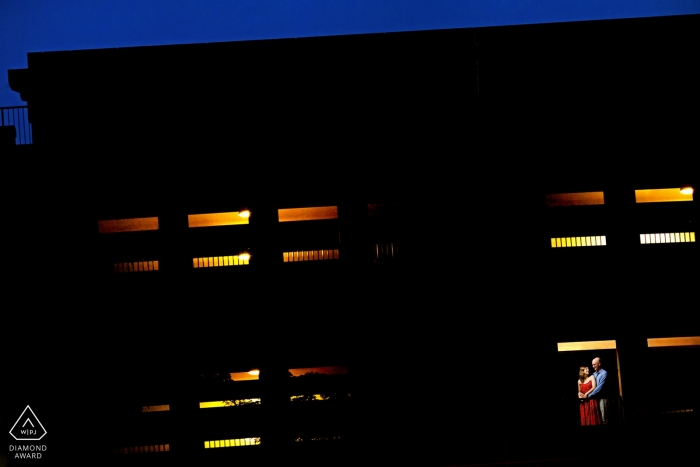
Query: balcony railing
{"points": [[17, 117]]}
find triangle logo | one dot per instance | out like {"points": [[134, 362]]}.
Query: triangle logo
{"points": [[27, 427]]}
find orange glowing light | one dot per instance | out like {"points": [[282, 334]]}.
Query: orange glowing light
{"points": [[687, 190], [244, 213], [155, 408], [324, 370], [663, 195], [254, 372], [576, 199], [674, 341], [216, 219], [308, 214], [127, 225], [243, 376]]}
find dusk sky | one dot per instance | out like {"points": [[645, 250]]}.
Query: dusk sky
{"points": [[50, 25]]}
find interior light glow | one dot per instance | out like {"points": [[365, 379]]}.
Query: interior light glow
{"points": [[672, 237], [243, 376], [219, 404], [566, 242], [664, 195], [589, 345], [216, 219], [127, 225], [324, 370], [575, 199], [254, 372], [155, 408], [308, 214], [244, 213], [673, 341]]}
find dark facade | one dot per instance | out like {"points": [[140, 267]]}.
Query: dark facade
{"points": [[443, 295]]}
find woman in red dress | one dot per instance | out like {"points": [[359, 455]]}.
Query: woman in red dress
{"points": [[588, 408]]}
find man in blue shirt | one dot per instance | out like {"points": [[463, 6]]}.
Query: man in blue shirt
{"points": [[600, 391]]}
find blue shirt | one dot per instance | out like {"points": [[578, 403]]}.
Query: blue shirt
{"points": [[600, 376]]}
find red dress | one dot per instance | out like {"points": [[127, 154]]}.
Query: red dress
{"points": [[590, 412]]}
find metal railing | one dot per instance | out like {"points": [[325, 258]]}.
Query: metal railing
{"points": [[18, 117]]}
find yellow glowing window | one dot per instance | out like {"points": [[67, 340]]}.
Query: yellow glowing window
{"points": [[571, 242], [216, 219], [308, 214], [589, 345], [230, 443], [575, 199], [218, 261], [670, 237], [155, 408], [674, 341], [136, 266], [385, 250], [231, 403], [661, 196], [310, 255], [143, 449], [127, 225]]}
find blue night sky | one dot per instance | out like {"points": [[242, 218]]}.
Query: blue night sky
{"points": [[50, 25]]}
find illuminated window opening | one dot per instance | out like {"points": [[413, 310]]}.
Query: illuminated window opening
{"points": [[674, 341], [218, 261], [245, 376], [155, 408], [575, 199], [229, 403], [310, 255], [127, 225], [230, 443], [136, 266], [574, 242], [594, 345], [216, 219], [665, 195], [143, 449], [588, 345], [668, 237], [307, 214]]}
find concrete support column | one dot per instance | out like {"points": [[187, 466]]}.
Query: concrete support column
{"points": [[174, 255], [633, 368], [264, 246], [275, 401], [352, 223]]}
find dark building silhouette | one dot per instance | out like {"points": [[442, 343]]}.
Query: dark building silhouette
{"points": [[437, 281]]}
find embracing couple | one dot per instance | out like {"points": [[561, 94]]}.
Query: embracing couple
{"points": [[592, 393]]}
